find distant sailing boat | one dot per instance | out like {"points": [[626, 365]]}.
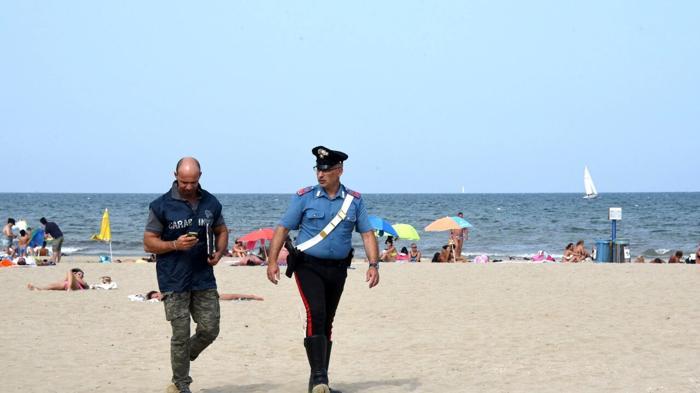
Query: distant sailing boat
{"points": [[591, 192]]}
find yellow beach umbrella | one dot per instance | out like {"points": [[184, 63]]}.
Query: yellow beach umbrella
{"points": [[105, 234], [406, 232]]}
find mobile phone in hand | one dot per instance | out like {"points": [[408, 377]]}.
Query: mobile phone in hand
{"points": [[192, 234]]}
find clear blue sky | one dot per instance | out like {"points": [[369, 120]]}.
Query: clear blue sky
{"points": [[498, 96]]}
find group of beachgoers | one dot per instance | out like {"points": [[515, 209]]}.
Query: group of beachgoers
{"points": [[450, 252], [241, 256], [21, 245], [677, 257], [576, 253], [75, 281]]}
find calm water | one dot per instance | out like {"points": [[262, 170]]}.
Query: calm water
{"points": [[505, 224]]}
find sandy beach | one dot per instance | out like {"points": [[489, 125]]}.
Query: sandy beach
{"points": [[502, 327]]}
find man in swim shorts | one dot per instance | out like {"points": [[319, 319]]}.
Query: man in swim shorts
{"points": [[7, 235]]}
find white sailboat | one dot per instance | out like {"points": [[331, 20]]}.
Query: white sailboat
{"points": [[591, 192]]}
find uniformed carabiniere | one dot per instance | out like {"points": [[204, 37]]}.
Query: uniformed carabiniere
{"points": [[322, 271], [180, 223]]}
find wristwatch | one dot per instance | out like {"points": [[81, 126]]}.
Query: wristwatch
{"points": [[374, 265]]}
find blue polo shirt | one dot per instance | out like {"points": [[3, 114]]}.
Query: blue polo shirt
{"points": [[311, 209]]}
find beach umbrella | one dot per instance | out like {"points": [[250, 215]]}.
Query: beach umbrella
{"points": [[260, 234], [105, 234], [406, 232], [382, 226], [448, 223], [37, 238]]}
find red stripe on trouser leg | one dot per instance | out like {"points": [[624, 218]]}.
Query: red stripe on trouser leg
{"points": [[309, 330]]}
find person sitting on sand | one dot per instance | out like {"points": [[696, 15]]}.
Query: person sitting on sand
{"points": [[657, 260], [222, 296], [238, 249], [676, 258], [445, 255], [43, 251], [389, 254], [568, 253], [580, 252], [640, 259], [74, 281], [414, 254]]}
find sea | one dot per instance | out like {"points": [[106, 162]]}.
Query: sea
{"points": [[504, 225]]}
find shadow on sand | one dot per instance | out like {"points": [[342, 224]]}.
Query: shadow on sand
{"points": [[253, 388], [409, 385]]}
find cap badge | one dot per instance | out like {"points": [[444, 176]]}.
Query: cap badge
{"points": [[322, 153]]}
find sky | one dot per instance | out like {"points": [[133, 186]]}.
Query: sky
{"points": [[424, 96]]}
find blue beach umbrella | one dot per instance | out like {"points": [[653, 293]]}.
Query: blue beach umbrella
{"points": [[382, 226], [462, 222]]}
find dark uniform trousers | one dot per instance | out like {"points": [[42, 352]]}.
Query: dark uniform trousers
{"points": [[321, 283], [204, 308]]}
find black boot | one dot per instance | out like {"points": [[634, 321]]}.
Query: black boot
{"points": [[329, 346], [316, 353]]}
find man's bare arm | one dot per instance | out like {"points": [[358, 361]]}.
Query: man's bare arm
{"points": [[372, 252], [221, 240], [153, 244]]}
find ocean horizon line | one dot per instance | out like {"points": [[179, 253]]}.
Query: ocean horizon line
{"points": [[600, 195]]}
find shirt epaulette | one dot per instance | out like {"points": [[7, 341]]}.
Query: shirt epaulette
{"points": [[354, 193], [304, 190]]}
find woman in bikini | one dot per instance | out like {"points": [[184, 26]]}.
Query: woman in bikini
{"points": [[414, 254], [580, 252], [568, 253], [389, 254], [74, 281], [239, 249]]}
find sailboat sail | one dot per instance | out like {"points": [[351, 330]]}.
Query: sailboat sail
{"points": [[591, 192]]}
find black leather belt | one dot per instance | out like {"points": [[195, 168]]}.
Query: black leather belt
{"points": [[327, 262]]}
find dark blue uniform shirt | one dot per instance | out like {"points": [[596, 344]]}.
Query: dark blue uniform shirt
{"points": [[184, 270], [311, 209]]}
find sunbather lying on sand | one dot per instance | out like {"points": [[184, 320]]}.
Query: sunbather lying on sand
{"points": [[74, 281], [222, 296]]}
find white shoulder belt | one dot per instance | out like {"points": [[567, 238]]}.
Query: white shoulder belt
{"points": [[330, 227]]}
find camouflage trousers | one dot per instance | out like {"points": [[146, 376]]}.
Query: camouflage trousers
{"points": [[204, 308]]}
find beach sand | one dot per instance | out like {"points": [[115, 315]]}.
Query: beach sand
{"points": [[426, 328]]}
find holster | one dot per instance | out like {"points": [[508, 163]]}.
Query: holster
{"points": [[294, 257]]}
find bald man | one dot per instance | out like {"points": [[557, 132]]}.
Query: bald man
{"points": [[186, 230]]}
